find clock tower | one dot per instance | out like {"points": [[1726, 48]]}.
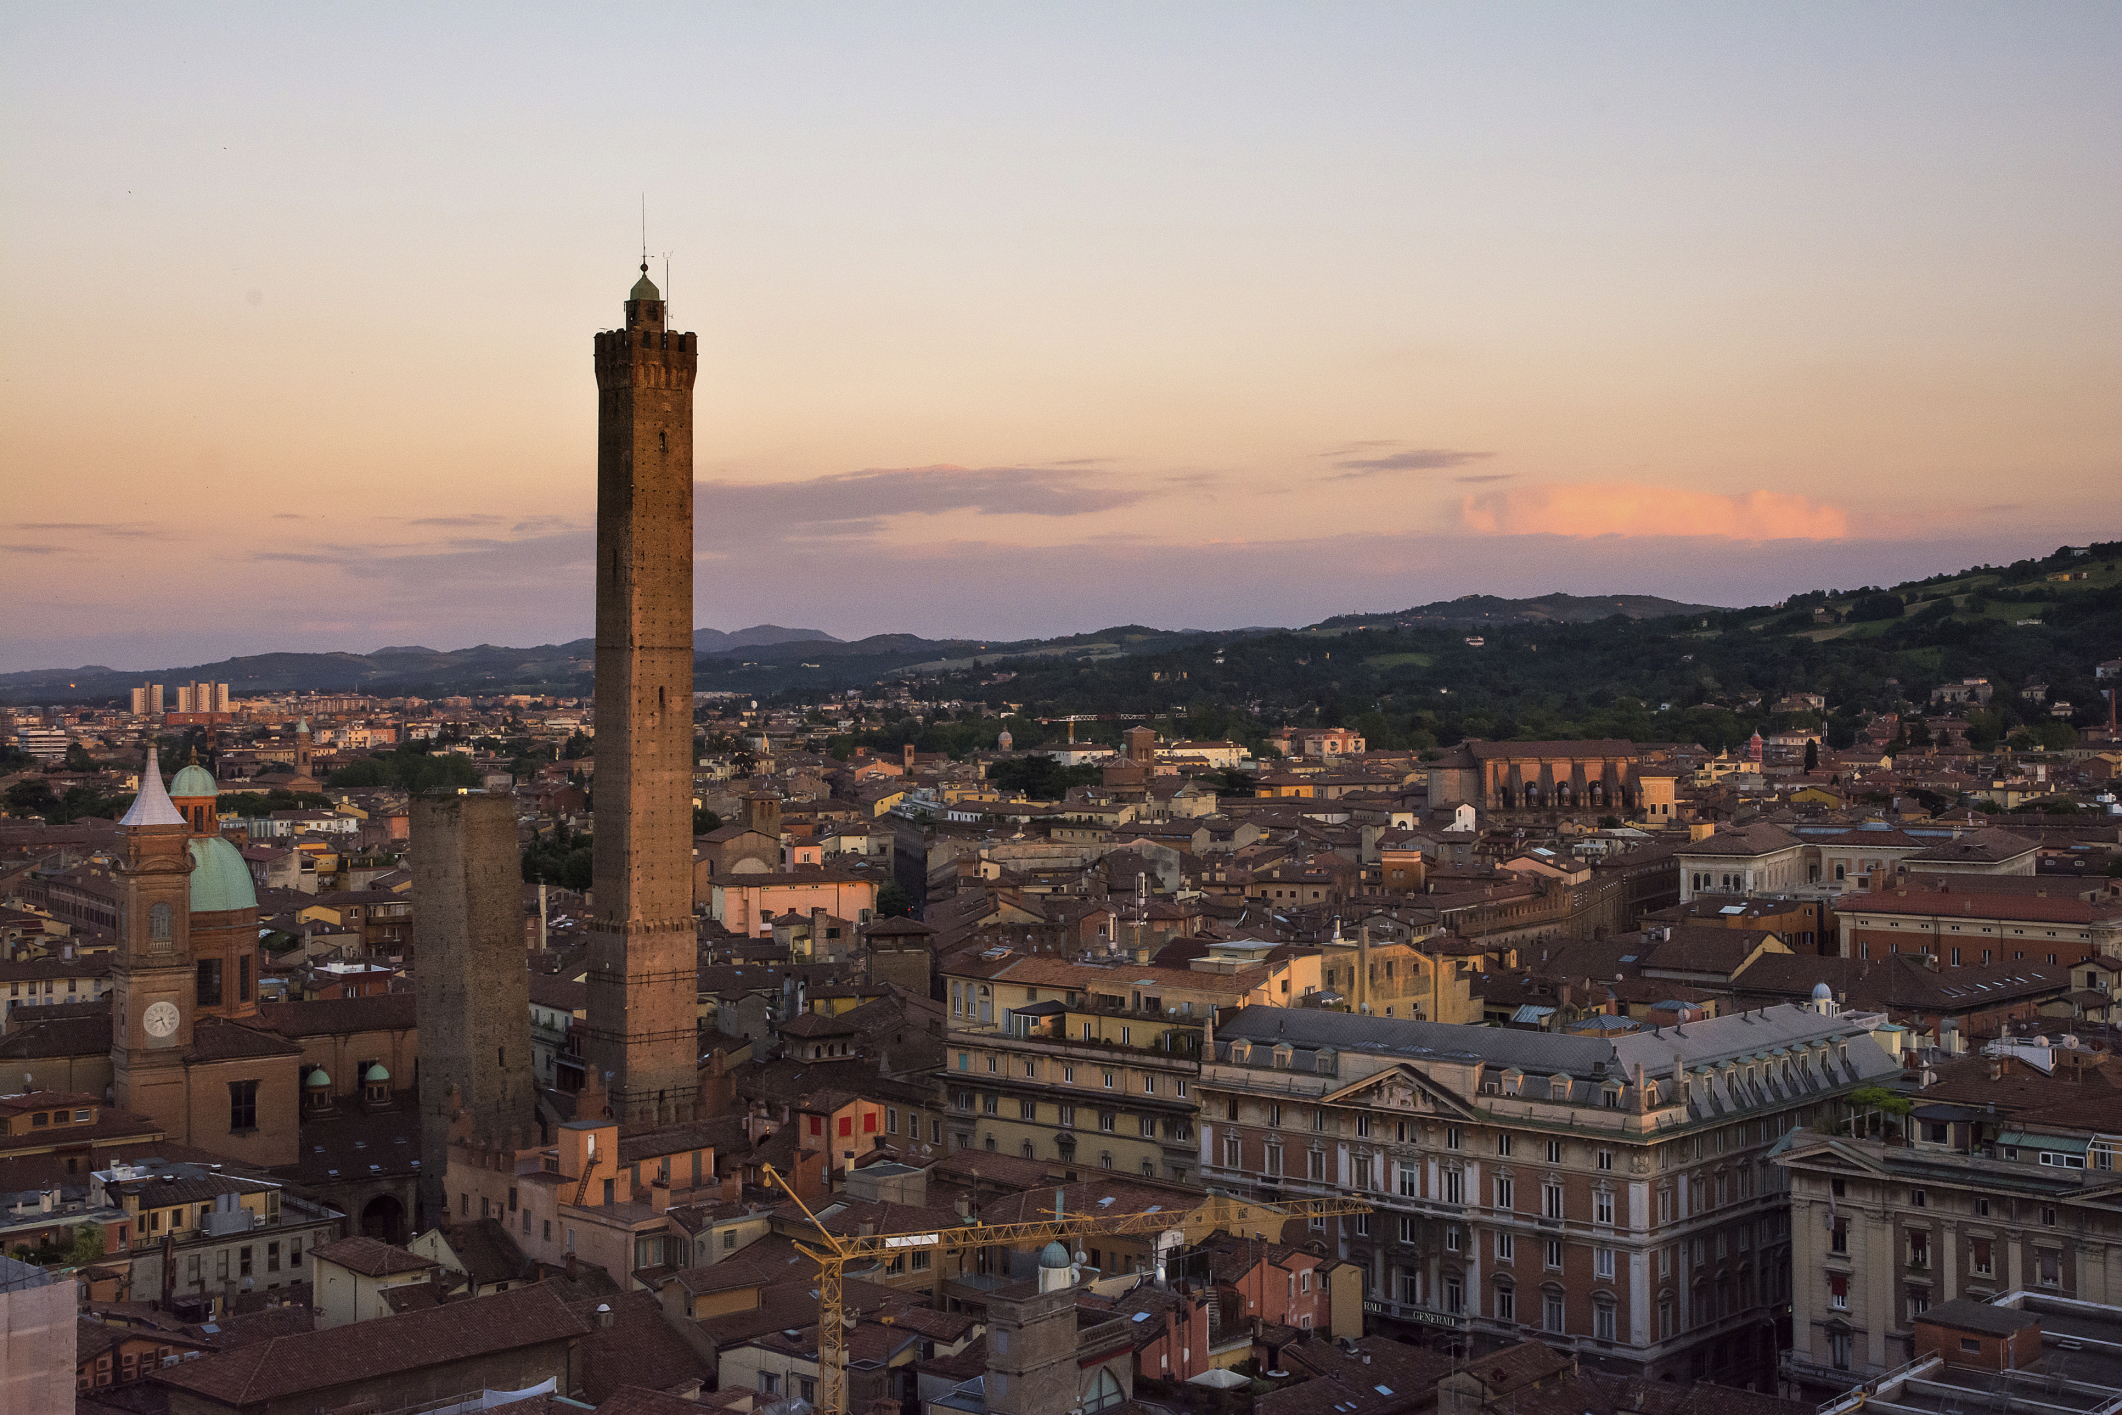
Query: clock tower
{"points": [[151, 981]]}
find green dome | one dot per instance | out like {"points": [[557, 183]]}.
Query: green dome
{"points": [[1054, 1256], [376, 1075], [220, 879], [644, 288], [194, 780], [318, 1079]]}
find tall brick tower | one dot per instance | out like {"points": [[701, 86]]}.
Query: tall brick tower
{"points": [[643, 977], [152, 983]]}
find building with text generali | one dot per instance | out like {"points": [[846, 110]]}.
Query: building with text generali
{"points": [[1611, 1195]]}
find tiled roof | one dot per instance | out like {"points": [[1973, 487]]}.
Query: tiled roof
{"points": [[371, 1257], [59, 1036], [46, 1100], [167, 1190], [1044, 971], [489, 1252], [1743, 842], [639, 1400], [289, 1367], [1703, 949], [672, 1140], [1900, 982], [1976, 847], [386, 1012], [219, 1039], [639, 1349], [1973, 901]]}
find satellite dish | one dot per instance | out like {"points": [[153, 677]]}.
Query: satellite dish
{"points": [[1081, 1256]]}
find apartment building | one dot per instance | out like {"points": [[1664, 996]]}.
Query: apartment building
{"points": [[1092, 1064], [2002, 1179], [1962, 924], [1611, 1194], [192, 1231]]}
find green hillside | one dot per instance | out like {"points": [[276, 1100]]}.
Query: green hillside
{"points": [[1707, 675]]}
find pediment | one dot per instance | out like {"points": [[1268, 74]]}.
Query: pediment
{"points": [[1401, 1090]]}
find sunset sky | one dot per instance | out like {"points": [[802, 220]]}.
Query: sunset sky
{"points": [[1030, 319]]}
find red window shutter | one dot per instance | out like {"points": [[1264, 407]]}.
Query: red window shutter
{"points": [[1838, 1283], [847, 1125], [817, 1125], [869, 1122]]}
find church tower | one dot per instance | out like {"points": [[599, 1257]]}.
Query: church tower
{"points": [[303, 780], [643, 975], [151, 980]]}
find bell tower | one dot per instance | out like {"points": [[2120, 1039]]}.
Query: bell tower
{"points": [[643, 973], [151, 980]]}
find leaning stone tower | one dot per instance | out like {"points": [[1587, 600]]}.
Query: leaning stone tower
{"points": [[643, 974]]}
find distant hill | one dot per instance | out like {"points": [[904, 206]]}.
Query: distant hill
{"points": [[1474, 610], [2051, 618], [715, 641]]}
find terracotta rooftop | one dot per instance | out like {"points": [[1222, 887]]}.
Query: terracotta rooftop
{"points": [[371, 1257], [288, 1368]]}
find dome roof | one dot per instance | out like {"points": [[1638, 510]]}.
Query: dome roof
{"points": [[644, 288], [194, 780], [318, 1078], [1054, 1256], [375, 1075], [220, 879], [1822, 992]]}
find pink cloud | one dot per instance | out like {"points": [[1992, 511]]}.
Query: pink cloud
{"points": [[1630, 509]]}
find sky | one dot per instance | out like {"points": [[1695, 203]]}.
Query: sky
{"points": [[1032, 319]]}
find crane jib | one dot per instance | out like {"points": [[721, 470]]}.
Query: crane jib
{"points": [[914, 1240]]}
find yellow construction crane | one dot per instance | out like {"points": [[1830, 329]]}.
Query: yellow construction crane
{"points": [[835, 1252]]}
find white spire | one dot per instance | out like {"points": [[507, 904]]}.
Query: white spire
{"points": [[152, 806]]}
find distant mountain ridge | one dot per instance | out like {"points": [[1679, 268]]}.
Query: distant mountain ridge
{"points": [[758, 636], [1474, 610]]}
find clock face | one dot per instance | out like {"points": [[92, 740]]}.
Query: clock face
{"points": [[160, 1019]]}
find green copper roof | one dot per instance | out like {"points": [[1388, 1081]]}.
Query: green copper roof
{"points": [[644, 288], [318, 1078], [194, 780], [220, 880], [376, 1075]]}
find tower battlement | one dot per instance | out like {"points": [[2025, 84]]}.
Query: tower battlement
{"points": [[646, 358]]}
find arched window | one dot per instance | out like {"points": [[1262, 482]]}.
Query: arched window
{"points": [[1104, 1392]]}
